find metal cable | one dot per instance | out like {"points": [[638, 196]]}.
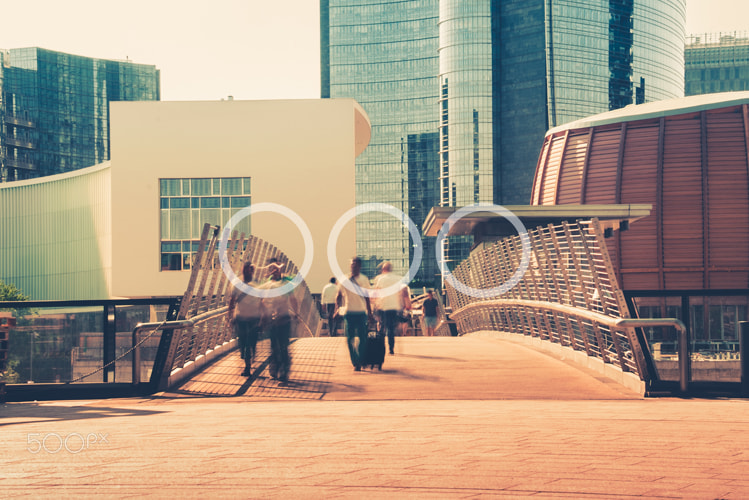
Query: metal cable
{"points": [[121, 356]]}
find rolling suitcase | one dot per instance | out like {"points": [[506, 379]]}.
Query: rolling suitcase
{"points": [[375, 353]]}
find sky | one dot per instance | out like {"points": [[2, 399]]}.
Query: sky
{"points": [[212, 49]]}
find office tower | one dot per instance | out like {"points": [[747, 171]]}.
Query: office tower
{"points": [[54, 109], [489, 78], [385, 55], [716, 63]]}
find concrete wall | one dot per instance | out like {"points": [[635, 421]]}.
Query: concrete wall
{"points": [[299, 154]]}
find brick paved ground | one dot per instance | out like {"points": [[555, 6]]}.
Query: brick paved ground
{"points": [[471, 417]]}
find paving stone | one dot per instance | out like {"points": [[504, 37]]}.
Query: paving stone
{"points": [[468, 417]]}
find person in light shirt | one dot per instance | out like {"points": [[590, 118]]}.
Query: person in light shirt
{"points": [[327, 299], [277, 313], [390, 307], [353, 302]]}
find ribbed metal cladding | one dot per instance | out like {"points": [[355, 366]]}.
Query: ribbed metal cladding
{"points": [[55, 235], [691, 166]]}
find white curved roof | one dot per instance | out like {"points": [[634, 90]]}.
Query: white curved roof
{"points": [[46, 179], [658, 109]]}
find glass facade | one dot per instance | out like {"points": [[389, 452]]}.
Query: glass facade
{"points": [[658, 48], [384, 55], [588, 59], [714, 333], [54, 109], [490, 77], [466, 155], [716, 63], [64, 344], [188, 204]]}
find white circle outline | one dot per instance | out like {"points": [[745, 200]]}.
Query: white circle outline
{"points": [[308, 250], [83, 443], [517, 275], [335, 233], [44, 443]]}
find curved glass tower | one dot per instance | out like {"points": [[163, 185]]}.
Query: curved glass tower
{"points": [[658, 48], [466, 155], [470, 87]]}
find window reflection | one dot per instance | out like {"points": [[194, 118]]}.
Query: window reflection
{"points": [[187, 204]]}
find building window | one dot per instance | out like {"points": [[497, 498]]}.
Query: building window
{"points": [[187, 204]]}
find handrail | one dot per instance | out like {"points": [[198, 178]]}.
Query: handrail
{"points": [[179, 325], [552, 306], [171, 325], [684, 357], [596, 317], [568, 295]]}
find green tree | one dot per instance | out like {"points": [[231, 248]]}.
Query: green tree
{"points": [[11, 293]]}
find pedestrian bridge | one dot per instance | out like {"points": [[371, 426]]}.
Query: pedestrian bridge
{"points": [[477, 366], [566, 304], [532, 397]]}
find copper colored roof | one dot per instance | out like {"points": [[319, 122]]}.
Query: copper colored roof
{"points": [[686, 157]]}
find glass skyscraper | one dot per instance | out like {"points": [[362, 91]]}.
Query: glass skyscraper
{"points": [[385, 55], [54, 108], [480, 82]]}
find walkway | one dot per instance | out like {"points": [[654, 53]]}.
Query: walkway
{"points": [[471, 417]]}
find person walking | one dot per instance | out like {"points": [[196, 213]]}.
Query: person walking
{"points": [[429, 313], [244, 315], [276, 311], [390, 307], [352, 300], [327, 299]]}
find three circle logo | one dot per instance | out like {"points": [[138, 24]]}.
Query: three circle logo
{"points": [[388, 210]]}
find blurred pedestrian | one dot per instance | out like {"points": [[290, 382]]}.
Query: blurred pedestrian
{"points": [[353, 304], [327, 299], [277, 311], [390, 307], [244, 315]]}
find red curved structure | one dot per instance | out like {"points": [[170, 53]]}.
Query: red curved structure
{"points": [[688, 158]]}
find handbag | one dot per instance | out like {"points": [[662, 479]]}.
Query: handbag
{"points": [[340, 312]]}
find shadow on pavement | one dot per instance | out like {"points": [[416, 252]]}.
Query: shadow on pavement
{"points": [[23, 413]]}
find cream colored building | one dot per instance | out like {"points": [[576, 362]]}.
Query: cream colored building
{"points": [[98, 232]]}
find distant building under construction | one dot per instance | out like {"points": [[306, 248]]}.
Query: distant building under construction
{"points": [[716, 63]]}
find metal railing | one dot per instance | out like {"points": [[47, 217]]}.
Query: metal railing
{"points": [[207, 294], [684, 357], [194, 328], [568, 295], [164, 325]]}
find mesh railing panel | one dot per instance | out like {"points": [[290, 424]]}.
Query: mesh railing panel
{"points": [[209, 289], [568, 295]]}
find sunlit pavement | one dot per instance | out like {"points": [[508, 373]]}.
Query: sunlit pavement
{"points": [[470, 417]]}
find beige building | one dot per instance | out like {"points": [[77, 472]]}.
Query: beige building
{"points": [[173, 163]]}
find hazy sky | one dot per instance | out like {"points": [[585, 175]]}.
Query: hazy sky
{"points": [[208, 50]]}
